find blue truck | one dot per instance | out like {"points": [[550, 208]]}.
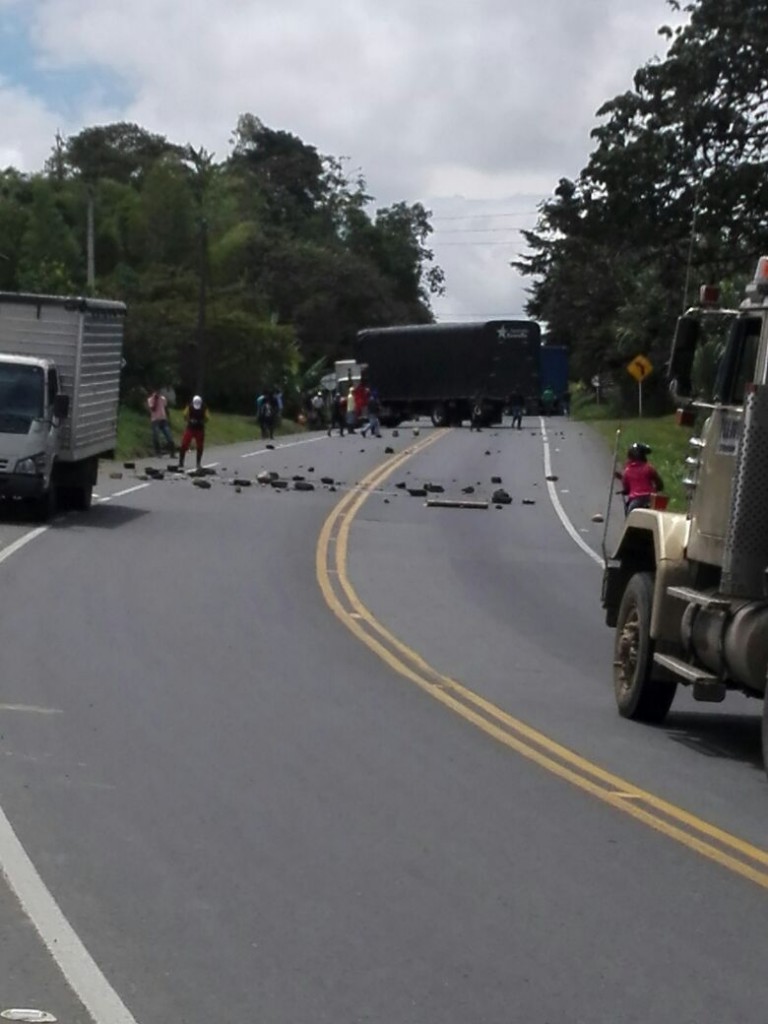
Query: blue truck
{"points": [[553, 374]]}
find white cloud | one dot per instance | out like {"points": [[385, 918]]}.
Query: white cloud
{"points": [[428, 99]]}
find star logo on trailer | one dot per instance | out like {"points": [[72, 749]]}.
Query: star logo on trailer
{"points": [[640, 368]]}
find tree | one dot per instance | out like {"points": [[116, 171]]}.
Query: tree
{"points": [[684, 149]]}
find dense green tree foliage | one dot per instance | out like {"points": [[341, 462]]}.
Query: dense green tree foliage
{"points": [[238, 274], [675, 193]]}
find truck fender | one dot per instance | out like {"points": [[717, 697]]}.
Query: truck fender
{"points": [[655, 542]]}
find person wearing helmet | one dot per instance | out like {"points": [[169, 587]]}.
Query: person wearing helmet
{"points": [[639, 479], [196, 416]]}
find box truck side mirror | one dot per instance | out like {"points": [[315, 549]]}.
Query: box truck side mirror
{"points": [[61, 407]]}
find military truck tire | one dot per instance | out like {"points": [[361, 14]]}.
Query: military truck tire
{"points": [[639, 695], [439, 415]]}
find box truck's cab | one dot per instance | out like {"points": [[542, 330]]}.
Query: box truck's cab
{"points": [[31, 412]]}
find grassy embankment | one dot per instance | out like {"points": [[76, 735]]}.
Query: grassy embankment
{"points": [[668, 441], [134, 435]]}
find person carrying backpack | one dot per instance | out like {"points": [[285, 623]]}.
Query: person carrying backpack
{"points": [[267, 416]]}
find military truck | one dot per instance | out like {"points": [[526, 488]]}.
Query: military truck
{"points": [[687, 593], [60, 363]]}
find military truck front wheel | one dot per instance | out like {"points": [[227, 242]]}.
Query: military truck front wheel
{"points": [[639, 695]]}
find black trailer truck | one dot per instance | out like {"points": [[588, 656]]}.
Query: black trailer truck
{"points": [[442, 370]]}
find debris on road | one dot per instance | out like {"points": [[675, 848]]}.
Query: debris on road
{"points": [[434, 488], [279, 485], [303, 485], [202, 482], [455, 503], [529, 501], [417, 492], [501, 497], [598, 517], [495, 479]]}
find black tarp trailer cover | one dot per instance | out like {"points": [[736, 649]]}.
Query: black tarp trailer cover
{"points": [[429, 363]]}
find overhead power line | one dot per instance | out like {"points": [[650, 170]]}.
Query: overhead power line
{"points": [[470, 216]]}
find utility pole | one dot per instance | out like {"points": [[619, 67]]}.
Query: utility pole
{"points": [[90, 245], [690, 245], [201, 305]]}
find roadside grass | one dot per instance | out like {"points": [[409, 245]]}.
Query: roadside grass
{"points": [[134, 434], [668, 441]]}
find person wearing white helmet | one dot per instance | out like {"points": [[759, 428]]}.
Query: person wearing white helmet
{"points": [[196, 416]]}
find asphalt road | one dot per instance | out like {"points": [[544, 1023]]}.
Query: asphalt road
{"points": [[243, 810]]}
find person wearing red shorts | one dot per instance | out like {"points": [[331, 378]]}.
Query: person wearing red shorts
{"points": [[196, 415]]}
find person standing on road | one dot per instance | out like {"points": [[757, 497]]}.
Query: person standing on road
{"points": [[639, 479], [476, 416], [196, 417], [267, 415], [158, 418], [517, 403], [338, 414], [351, 413], [373, 424]]}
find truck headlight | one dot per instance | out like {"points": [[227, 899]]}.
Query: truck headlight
{"points": [[31, 466]]}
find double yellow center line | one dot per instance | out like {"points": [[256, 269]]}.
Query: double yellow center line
{"points": [[741, 857]]}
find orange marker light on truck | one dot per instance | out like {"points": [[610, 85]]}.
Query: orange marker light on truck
{"points": [[761, 274]]}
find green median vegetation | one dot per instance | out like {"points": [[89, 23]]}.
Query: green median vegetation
{"points": [[668, 441], [134, 434]]}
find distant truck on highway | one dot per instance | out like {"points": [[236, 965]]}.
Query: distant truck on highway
{"points": [[553, 374], [60, 363], [442, 370]]}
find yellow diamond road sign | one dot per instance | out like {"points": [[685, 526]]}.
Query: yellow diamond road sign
{"points": [[640, 368]]}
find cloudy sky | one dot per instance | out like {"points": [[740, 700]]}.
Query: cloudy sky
{"points": [[475, 109]]}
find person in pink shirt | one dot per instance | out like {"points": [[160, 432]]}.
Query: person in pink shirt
{"points": [[639, 479], [158, 418]]}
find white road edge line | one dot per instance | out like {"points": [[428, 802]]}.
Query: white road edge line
{"points": [[277, 448], [14, 547], [570, 529], [68, 952], [121, 494]]}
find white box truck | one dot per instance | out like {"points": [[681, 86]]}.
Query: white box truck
{"points": [[60, 363]]}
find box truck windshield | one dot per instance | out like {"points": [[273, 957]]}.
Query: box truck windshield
{"points": [[21, 397]]}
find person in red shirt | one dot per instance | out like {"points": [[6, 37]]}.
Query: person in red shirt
{"points": [[639, 479]]}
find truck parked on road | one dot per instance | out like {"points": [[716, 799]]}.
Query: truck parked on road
{"points": [[443, 370], [687, 593], [60, 363], [553, 375]]}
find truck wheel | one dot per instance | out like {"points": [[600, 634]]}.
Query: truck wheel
{"points": [[439, 415], [638, 695], [45, 506], [765, 731], [81, 497]]}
